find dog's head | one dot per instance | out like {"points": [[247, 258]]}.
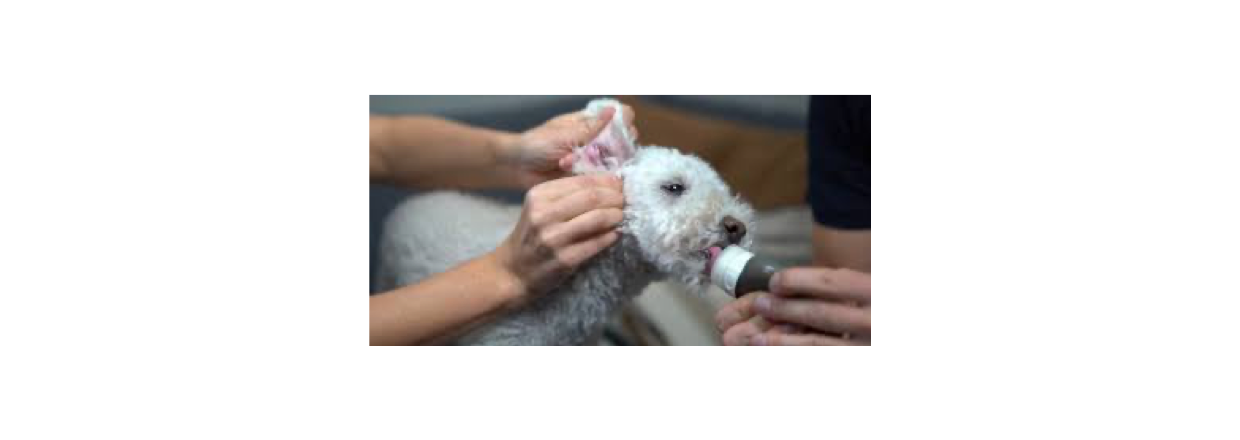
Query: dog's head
{"points": [[676, 206]]}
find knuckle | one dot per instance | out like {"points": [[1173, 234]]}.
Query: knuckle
{"points": [[545, 237], [602, 180], [538, 218], [536, 193], [593, 197], [563, 261], [541, 251], [780, 283], [601, 220]]}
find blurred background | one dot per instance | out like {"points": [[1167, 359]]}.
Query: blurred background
{"points": [[757, 144]]}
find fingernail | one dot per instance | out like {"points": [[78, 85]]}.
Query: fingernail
{"points": [[774, 282], [763, 304], [758, 339]]}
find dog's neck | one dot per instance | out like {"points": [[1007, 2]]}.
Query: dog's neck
{"points": [[623, 268], [580, 308]]}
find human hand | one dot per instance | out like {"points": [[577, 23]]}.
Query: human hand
{"points": [[545, 152], [807, 306]]}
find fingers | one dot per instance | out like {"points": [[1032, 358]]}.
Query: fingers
{"points": [[778, 336], [734, 313], [832, 284], [566, 162], [814, 313], [585, 200], [577, 254], [584, 226], [555, 189], [789, 328], [740, 334]]}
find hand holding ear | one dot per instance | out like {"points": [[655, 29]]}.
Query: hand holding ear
{"points": [[546, 152]]}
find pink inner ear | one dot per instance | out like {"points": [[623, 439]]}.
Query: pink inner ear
{"points": [[593, 155], [608, 152]]}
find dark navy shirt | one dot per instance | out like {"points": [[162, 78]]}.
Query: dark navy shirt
{"points": [[839, 161]]}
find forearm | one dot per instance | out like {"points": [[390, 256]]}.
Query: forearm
{"points": [[378, 167], [841, 248], [430, 152], [442, 305]]}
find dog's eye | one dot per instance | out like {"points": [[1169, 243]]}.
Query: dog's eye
{"points": [[674, 188]]}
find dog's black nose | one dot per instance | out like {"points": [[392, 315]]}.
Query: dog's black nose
{"points": [[734, 228]]}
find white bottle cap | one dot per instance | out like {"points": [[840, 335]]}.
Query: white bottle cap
{"points": [[728, 266]]}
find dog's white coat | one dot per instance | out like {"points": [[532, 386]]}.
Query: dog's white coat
{"points": [[662, 237]]}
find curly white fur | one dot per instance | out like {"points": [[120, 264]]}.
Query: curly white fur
{"points": [[664, 235]]}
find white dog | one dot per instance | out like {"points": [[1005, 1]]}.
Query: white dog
{"points": [[676, 209]]}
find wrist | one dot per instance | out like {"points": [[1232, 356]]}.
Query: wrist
{"points": [[506, 154], [510, 289], [505, 148]]}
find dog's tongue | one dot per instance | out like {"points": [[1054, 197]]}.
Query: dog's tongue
{"points": [[714, 254]]}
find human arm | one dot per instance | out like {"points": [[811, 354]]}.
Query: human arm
{"points": [[806, 306]]}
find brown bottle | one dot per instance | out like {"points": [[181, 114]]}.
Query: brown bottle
{"points": [[738, 271]]}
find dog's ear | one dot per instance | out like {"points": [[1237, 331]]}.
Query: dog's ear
{"points": [[611, 148]]}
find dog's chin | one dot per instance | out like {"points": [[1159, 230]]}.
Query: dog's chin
{"points": [[690, 272], [693, 276], [688, 267], [693, 279], [697, 284]]}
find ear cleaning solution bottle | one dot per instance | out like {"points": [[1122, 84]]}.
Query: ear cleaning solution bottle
{"points": [[738, 271]]}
